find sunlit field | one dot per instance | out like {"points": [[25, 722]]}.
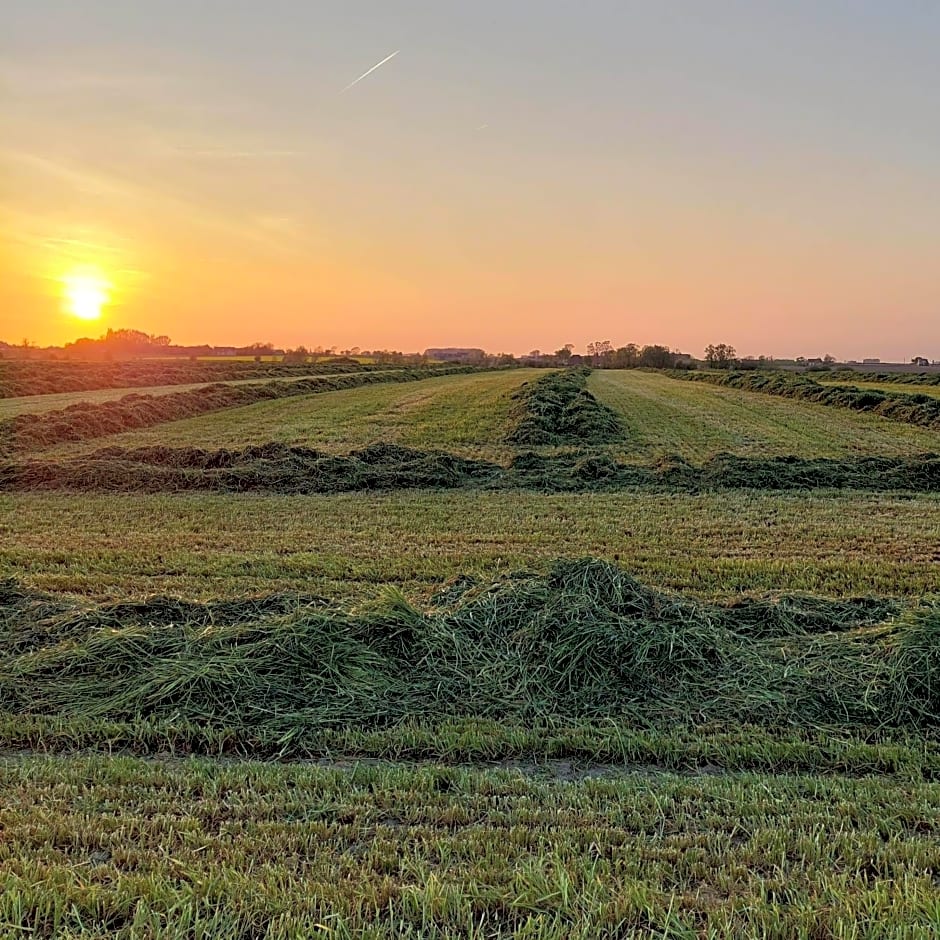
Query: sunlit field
{"points": [[573, 704]]}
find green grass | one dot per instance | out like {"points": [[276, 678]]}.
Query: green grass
{"points": [[712, 545], [121, 847], [697, 420], [904, 387], [467, 414], [39, 404]]}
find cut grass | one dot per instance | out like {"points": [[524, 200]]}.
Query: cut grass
{"points": [[28, 433], [919, 410], [586, 641], [696, 420], [465, 414], [713, 545], [291, 469], [908, 388], [39, 404], [47, 377], [557, 409], [126, 848]]}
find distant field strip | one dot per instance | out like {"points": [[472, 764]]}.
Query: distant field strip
{"points": [[715, 545], [28, 377], [293, 470], [39, 404], [908, 388], [697, 420], [894, 405], [30, 432], [466, 414]]}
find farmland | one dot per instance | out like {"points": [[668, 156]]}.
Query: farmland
{"points": [[665, 416], [466, 414], [660, 657]]}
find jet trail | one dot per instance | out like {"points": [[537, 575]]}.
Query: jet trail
{"points": [[374, 67]]}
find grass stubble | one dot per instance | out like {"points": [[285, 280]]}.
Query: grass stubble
{"points": [[558, 752]]}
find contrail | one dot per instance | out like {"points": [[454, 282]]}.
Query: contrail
{"points": [[374, 67]]}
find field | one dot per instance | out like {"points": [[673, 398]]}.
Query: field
{"points": [[38, 404], [697, 421], [908, 387], [410, 710], [714, 545], [463, 414]]}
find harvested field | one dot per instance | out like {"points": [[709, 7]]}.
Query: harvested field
{"points": [[920, 410], [195, 848], [37, 404], [28, 377], [31, 432], [466, 414], [378, 591], [851, 377], [909, 388], [715, 545], [697, 420]]}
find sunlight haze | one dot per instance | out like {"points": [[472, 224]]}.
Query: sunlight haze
{"points": [[505, 175]]}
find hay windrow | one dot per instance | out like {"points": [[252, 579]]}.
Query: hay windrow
{"points": [[25, 377], [917, 409], [83, 421], [558, 409], [584, 641], [286, 469]]}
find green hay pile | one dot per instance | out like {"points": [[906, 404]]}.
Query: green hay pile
{"points": [[585, 641], [82, 421], [919, 409], [558, 409], [281, 468], [268, 468], [26, 377]]}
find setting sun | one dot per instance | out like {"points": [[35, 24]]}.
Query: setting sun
{"points": [[85, 295]]}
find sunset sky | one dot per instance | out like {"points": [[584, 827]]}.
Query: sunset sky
{"points": [[519, 175]]}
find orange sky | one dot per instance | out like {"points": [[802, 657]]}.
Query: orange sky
{"points": [[512, 179]]}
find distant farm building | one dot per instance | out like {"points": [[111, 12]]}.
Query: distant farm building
{"points": [[455, 354]]}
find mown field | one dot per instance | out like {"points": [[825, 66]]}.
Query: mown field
{"points": [[910, 388], [466, 414], [37, 404], [198, 849], [696, 421], [716, 545], [405, 711]]}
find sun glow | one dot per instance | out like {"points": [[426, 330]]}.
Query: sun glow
{"points": [[85, 295]]}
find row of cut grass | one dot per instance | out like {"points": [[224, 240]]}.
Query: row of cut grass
{"points": [[39, 404], [585, 641]]}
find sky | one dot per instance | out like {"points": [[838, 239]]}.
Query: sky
{"points": [[521, 174]]}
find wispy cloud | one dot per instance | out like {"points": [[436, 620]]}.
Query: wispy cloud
{"points": [[224, 153], [377, 65]]}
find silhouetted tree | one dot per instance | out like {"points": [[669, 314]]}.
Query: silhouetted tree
{"points": [[721, 356], [657, 357]]}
